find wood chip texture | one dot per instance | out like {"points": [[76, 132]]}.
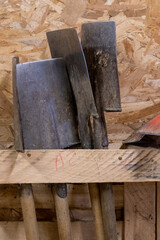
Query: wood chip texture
{"points": [[23, 27]]}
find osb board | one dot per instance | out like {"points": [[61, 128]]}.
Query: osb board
{"points": [[23, 24]]}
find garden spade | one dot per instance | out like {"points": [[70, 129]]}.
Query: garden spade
{"points": [[65, 43], [99, 45], [46, 119]]}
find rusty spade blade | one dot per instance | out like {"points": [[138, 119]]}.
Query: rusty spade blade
{"points": [[99, 45], [48, 118], [65, 43]]}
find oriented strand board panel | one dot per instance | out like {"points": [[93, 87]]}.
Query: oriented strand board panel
{"points": [[79, 166], [139, 211], [23, 33]]}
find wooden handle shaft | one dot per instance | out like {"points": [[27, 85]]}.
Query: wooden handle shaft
{"points": [[29, 213], [62, 213], [108, 211], [96, 207]]}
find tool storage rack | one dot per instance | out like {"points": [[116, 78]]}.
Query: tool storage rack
{"points": [[79, 166], [75, 166]]}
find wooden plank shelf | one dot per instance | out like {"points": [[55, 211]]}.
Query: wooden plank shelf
{"points": [[79, 166]]}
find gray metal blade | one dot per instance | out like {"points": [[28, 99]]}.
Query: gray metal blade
{"points": [[99, 45], [47, 108], [65, 43], [18, 139]]}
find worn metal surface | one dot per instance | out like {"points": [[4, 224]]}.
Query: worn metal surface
{"points": [[46, 105], [147, 136], [99, 45], [48, 118], [61, 190], [18, 139], [65, 43], [135, 137]]}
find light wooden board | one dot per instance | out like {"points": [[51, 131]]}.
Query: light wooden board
{"points": [[139, 211], [48, 231], [79, 166]]}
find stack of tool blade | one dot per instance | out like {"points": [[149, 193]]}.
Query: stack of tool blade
{"points": [[54, 101]]}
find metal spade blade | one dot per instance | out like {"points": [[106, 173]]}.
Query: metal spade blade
{"points": [[46, 105], [99, 45]]}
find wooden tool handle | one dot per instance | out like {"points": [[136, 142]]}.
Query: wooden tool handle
{"points": [[62, 211], [29, 213], [108, 213], [96, 208]]}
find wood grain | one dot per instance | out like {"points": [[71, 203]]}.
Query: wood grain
{"points": [[78, 196], [62, 213], [96, 208], [139, 200], [29, 212], [79, 166], [73, 11], [108, 208], [48, 230], [138, 66]]}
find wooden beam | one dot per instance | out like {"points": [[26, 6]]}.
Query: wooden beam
{"points": [[79, 166], [139, 211]]}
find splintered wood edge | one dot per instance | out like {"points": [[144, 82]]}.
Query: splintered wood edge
{"points": [[79, 166]]}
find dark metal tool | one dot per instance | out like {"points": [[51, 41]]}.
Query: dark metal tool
{"points": [[26, 193], [47, 118], [99, 45], [65, 43], [152, 127], [147, 136]]}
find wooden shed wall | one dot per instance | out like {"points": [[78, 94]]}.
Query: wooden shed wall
{"points": [[23, 24]]}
